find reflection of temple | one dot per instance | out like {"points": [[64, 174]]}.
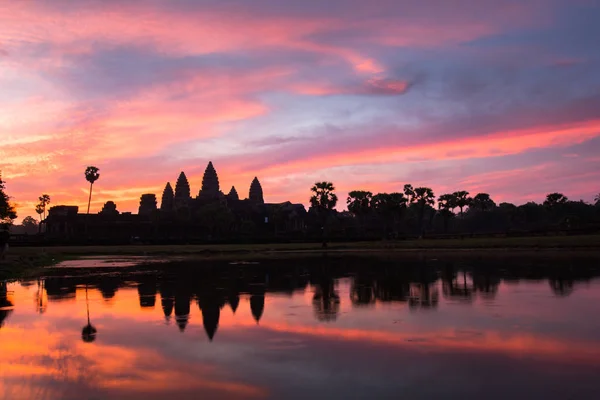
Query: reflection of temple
{"points": [[210, 215], [215, 286]]}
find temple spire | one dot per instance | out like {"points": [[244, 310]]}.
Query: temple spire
{"points": [[182, 191], [233, 194], [256, 192], [166, 203], [210, 182]]}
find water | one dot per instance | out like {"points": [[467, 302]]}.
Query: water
{"points": [[304, 328]]}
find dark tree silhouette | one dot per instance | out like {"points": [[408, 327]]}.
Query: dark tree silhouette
{"points": [[39, 209], [91, 175], [446, 203], [409, 193], [423, 197], [554, 199], [462, 199], [597, 199], [7, 210], [483, 202], [30, 225], [44, 201], [323, 201], [324, 198], [359, 202], [388, 207]]}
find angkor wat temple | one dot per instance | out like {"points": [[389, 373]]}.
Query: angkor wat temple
{"points": [[209, 216]]}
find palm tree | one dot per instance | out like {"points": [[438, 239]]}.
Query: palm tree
{"points": [[40, 210], [88, 333], [323, 201], [446, 203], [483, 201], [409, 192], [7, 210], [423, 197], [324, 198], [91, 175], [389, 207], [597, 199], [44, 201], [462, 199], [359, 204]]}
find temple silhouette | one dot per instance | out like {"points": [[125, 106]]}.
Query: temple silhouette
{"points": [[211, 215]]}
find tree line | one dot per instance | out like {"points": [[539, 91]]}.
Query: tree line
{"points": [[416, 210]]}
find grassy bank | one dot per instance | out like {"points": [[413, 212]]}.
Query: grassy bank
{"points": [[588, 242]]}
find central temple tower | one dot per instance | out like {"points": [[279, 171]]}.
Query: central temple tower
{"points": [[210, 183]]}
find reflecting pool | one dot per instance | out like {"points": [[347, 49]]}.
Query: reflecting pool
{"points": [[322, 327]]}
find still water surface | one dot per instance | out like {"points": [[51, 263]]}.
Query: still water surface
{"points": [[305, 328]]}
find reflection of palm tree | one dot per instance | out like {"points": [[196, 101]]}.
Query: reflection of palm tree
{"points": [[423, 296], [41, 303], [486, 284], [454, 289], [88, 333], [326, 301], [361, 292], [561, 287], [6, 305]]}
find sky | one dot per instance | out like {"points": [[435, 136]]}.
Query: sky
{"points": [[496, 96]]}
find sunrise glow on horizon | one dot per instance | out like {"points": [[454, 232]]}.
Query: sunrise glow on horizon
{"points": [[488, 96]]}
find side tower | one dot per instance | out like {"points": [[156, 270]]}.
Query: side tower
{"points": [[256, 192], [233, 194], [166, 203], [182, 192]]}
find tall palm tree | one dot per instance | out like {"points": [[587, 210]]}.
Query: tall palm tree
{"points": [[423, 197], [40, 210], [359, 204], [446, 203], [324, 198], [323, 201], [44, 201], [91, 175], [462, 199], [597, 199], [409, 192]]}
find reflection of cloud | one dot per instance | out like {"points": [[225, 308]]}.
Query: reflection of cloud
{"points": [[110, 369]]}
